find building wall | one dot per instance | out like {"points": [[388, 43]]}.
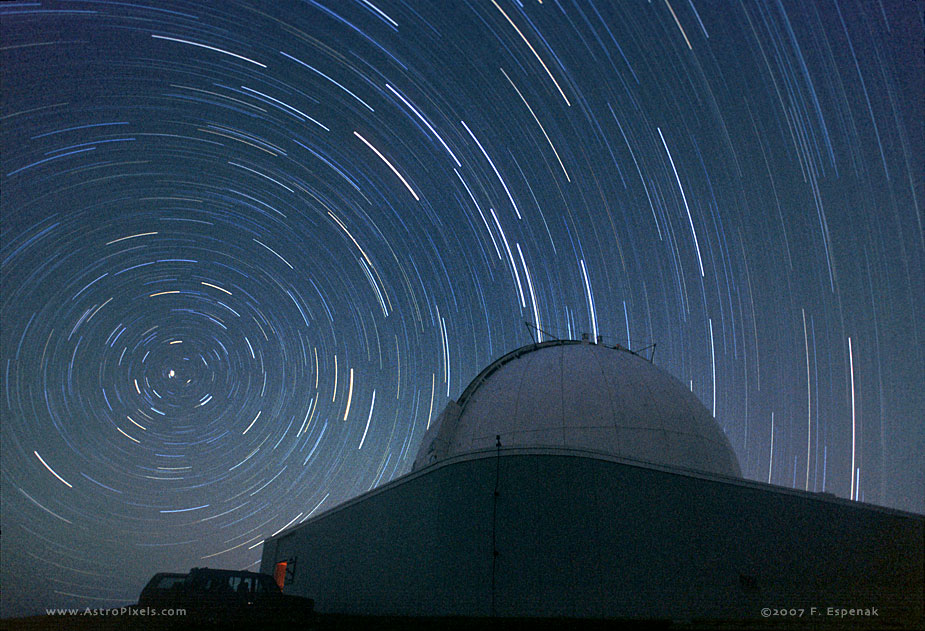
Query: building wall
{"points": [[587, 537]]}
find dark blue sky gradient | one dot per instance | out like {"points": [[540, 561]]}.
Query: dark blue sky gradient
{"points": [[250, 249]]}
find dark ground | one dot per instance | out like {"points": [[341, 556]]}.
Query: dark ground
{"points": [[348, 623]]}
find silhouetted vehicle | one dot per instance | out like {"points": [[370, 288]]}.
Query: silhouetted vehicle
{"points": [[161, 590], [225, 596]]}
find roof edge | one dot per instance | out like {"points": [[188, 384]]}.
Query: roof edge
{"points": [[602, 456]]}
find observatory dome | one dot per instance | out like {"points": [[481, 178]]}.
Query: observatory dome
{"points": [[579, 395]]}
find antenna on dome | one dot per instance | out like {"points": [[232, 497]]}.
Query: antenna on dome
{"points": [[585, 337], [651, 355], [541, 333]]}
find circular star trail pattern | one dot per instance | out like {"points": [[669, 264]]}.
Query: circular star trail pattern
{"points": [[249, 250]]}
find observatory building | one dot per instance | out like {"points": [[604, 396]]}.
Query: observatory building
{"points": [[575, 480]]}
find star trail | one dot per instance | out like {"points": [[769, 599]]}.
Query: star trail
{"points": [[249, 250]]}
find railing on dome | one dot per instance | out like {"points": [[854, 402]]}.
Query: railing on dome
{"points": [[505, 359], [523, 350], [600, 341]]}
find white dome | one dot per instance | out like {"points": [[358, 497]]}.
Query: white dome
{"points": [[581, 396]]}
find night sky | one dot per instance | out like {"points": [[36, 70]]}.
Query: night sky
{"points": [[249, 250]]}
